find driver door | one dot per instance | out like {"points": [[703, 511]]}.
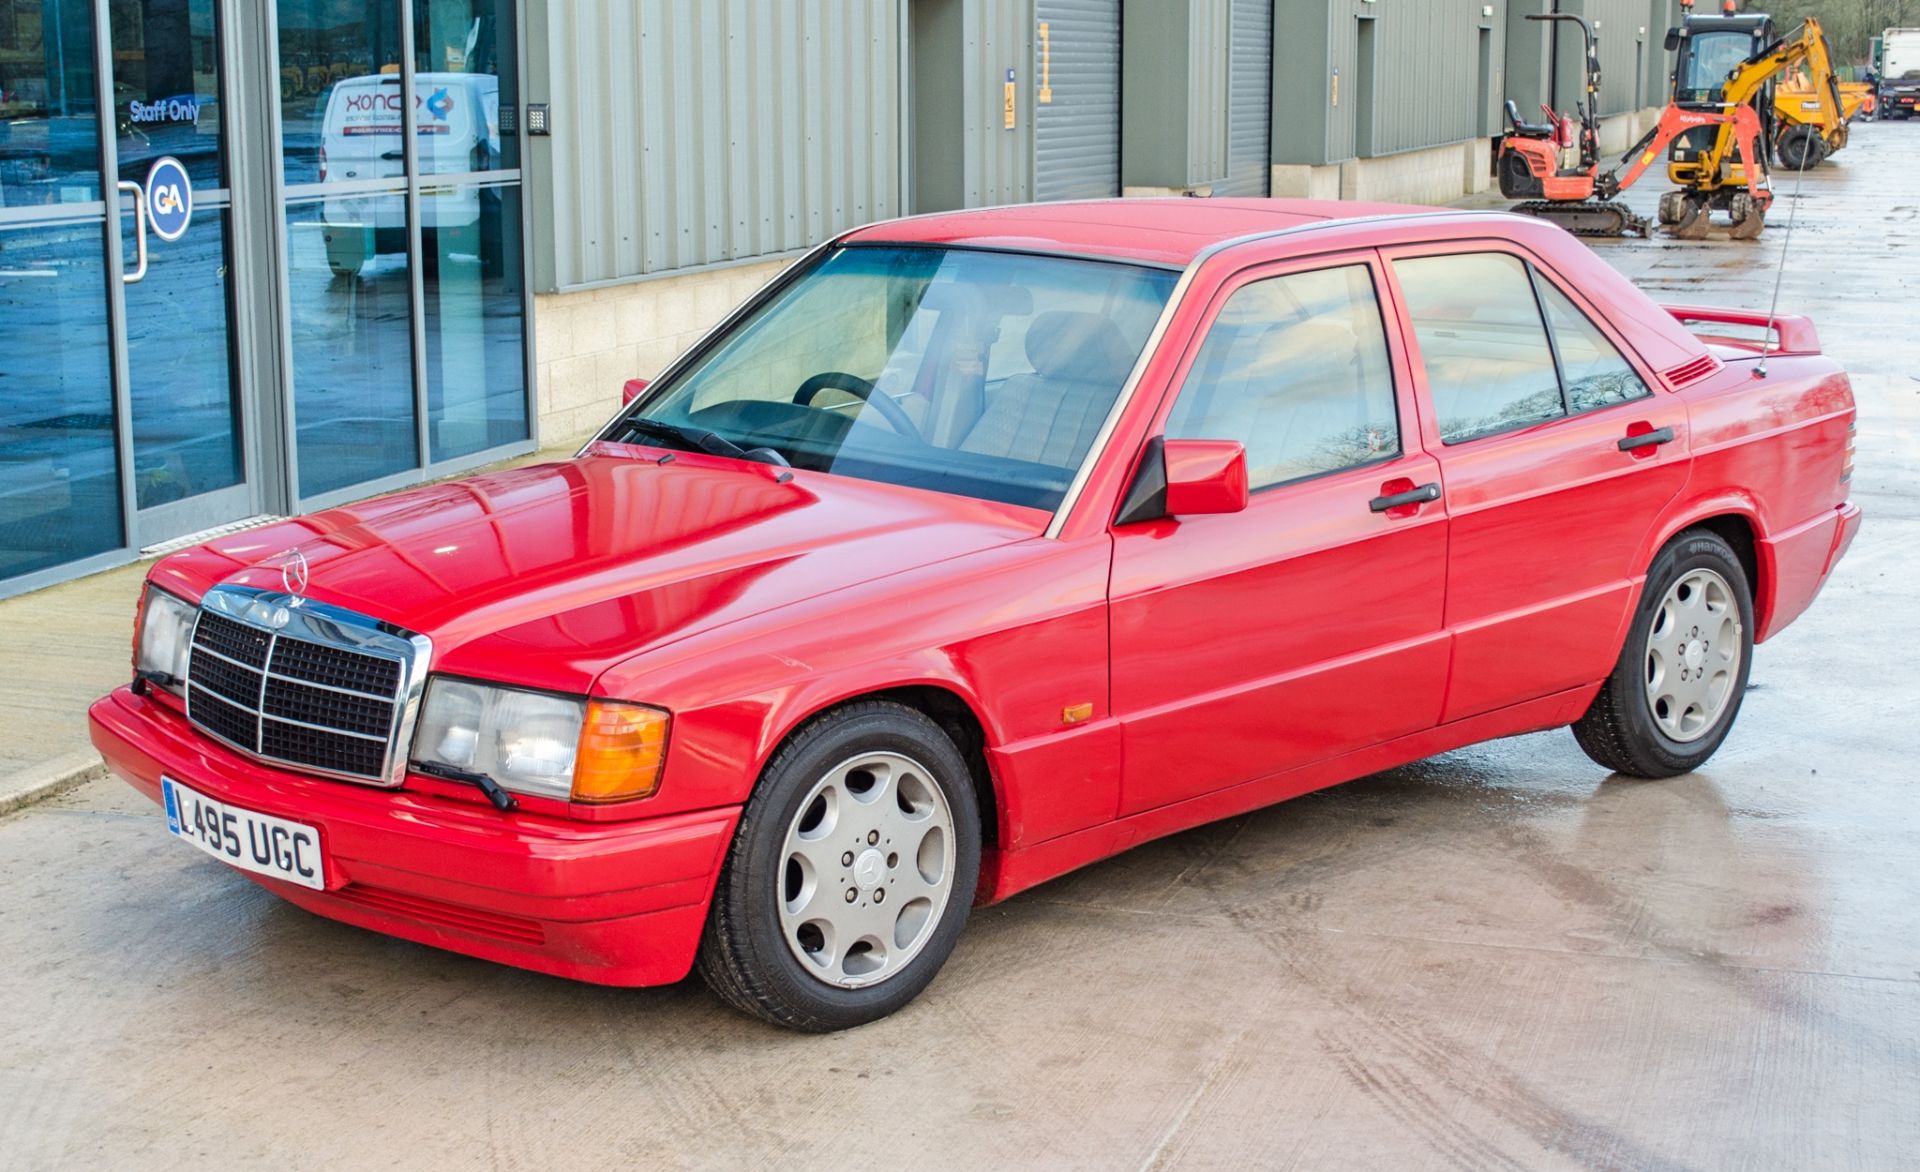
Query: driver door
{"points": [[1308, 625]]}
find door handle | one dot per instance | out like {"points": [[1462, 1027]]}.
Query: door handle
{"points": [[1646, 439], [139, 230], [1413, 496]]}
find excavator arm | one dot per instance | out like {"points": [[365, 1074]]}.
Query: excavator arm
{"points": [[1805, 47]]}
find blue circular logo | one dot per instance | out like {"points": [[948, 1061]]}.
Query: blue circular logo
{"points": [[169, 198]]}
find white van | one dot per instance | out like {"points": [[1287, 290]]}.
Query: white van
{"points": [[458, 129]]}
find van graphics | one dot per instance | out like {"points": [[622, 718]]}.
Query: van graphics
{"points": [[376, 112]]}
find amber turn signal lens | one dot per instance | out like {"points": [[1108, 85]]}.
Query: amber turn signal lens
{"points": [[623, 748]]}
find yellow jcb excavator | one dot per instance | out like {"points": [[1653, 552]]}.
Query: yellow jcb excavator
{"points": [[1717, 131], [1732, 60]]}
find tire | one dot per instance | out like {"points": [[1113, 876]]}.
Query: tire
{"points": [[781, 944], [1626, 729], [1802, 150]]}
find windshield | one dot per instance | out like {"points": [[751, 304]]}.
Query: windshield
{"points": [[983, 374], [1711, 56]]}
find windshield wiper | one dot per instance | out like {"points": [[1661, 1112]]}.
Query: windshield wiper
{"points": [[501, 799], [694, 440]]}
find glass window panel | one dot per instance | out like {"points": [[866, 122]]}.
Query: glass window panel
{"points": [[340, 89], [185, 418], [1488, 364], [49, 126], [466, 57], [1296, 369], [476, 376], [352, 341], [166, 87], [1596, 374], [59, 478]]}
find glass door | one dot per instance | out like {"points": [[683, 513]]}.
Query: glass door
{"points": [[405, 292], [60, 501], [171, 101]]}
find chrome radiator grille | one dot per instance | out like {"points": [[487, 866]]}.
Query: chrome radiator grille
{"points": [[303, 684]]}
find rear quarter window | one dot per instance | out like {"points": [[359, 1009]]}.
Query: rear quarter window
{"points": [[1489, 365]]}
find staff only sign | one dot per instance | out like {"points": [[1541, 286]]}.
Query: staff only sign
{"points": [[169, 199]]}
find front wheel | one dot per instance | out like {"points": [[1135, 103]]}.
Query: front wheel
{"points": [[851, 873], [1679, 681], [1802, 149]]}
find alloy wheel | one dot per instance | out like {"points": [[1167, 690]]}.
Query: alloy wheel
{"points": [[1693, 655], [866, 869]]}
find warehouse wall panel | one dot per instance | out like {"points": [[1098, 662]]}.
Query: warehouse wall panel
{"points": [[688, 133], [1426, 71], [1634, 63], [1076, 150], [1249, 85], [998, 37], [1197, 78]]}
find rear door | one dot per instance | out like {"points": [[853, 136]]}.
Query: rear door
{"points": [[1527, 396], [1309, 624]]}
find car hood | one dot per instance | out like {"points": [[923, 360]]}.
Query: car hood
{"points": [[546, 575]]}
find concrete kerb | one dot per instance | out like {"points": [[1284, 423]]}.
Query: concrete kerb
{"points": [[49, 779]]}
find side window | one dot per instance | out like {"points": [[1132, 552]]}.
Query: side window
{"points": [[1596, 374], [1296, 369], [1488, 363]]}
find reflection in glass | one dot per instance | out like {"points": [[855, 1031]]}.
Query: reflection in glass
{"points": [[352, 345], [166, 87], [59, 479], [464, 52], [476, 379], [49, 130], [340, 89], [185, 422]]}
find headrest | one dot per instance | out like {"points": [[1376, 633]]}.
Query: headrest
{"points": [[1084, 347]]}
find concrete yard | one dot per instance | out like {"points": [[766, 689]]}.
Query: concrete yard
{"points": [[1499, 958]]}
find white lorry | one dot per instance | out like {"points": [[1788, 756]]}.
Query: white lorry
{"points": [[1899, 73]]}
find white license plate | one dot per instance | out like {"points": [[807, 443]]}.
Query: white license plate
{"points": [[241, 838]]}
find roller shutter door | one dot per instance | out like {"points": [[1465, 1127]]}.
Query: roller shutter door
{"points": [[1076, 147], [1249, 103]]}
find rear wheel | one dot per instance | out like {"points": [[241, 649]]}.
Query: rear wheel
{"points": [[1678, 684], [851, 874]]}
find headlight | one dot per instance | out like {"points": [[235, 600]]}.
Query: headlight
{"points": [[540, 744], [160, 647]]}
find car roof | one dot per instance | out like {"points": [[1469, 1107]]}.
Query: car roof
{"points": [[1156, 231]]}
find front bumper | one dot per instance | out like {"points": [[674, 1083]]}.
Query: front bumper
{"points": [[614, 903]]}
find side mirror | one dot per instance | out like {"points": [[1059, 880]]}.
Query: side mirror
{"points": [[634, 388], [1205, 476], [1673, 39]]}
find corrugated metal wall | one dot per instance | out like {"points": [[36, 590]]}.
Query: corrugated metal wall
{"points": [[1427, 60], [689, 132], [1076, 149], [999, 37], [1207, 49], [1249, 98], [1634, 63]]}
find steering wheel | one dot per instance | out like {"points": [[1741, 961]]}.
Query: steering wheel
{"points": [[862, 389]]}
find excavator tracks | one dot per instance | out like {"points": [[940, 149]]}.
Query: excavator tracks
{"points": [[1590, 218]]}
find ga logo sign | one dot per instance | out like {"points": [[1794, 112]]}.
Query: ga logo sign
{"points": [[169, 198]]}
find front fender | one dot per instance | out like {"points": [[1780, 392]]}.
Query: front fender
{"points": [[1017, 633]]}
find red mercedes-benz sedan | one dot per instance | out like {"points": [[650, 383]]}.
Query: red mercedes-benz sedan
{"points": [[975, 548]]}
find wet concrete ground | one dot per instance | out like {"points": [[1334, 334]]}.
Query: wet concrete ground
{"points": [[1498, 958]]}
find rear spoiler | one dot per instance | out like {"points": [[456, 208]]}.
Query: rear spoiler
{"points": [[1787, 333]]}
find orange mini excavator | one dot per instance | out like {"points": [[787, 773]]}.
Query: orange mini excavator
{"points": [[1555, 165]]}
